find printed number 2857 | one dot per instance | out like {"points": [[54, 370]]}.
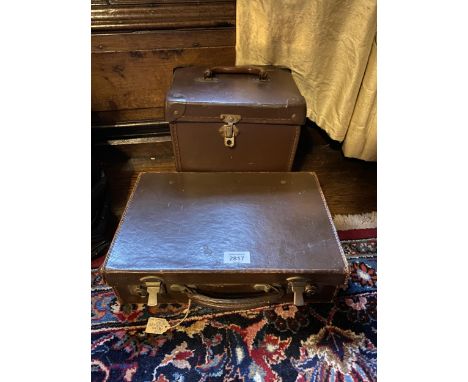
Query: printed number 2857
{"points": [[236, 258]]}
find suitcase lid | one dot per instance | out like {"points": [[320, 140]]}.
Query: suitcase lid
{"points": [[258, 94], [225, 226]]}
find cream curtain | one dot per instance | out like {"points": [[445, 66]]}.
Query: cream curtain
{"points": [[330, 45]]}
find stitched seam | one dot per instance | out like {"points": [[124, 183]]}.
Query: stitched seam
{"points": [[117, 232], [245, 120], [330, 219], [293, 148]]}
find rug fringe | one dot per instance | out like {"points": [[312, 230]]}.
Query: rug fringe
{"points": [[359, 221]]}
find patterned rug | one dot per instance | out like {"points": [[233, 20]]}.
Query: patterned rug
{"points": [[321, 342]]}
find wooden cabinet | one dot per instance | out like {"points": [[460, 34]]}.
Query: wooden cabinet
{"points": [[136, 44]]}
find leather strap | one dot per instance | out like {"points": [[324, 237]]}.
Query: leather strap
{"points": [[235, 303], [254, 70]]}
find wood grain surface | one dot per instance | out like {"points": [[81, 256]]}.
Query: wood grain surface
{"points": [[131, 72], [160, 14]]}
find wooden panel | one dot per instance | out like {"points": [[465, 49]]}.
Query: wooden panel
{"points": [[154, 40], [134, 81], [131, 72], [152, 2], [140, 129], [113, 117], [162, 15]]}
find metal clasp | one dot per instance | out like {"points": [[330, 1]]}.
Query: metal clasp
{"points": [[153, 286], [299, 287], [229, 131]]}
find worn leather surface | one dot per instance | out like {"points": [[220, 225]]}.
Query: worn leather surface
{"points": [[259, 147], [270, 107], [178, 226], [194, 98]]}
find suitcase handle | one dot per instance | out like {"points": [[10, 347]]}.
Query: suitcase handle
{"points": [[235, 303], [254, 70]]}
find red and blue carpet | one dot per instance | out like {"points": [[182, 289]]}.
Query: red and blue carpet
{"points": [[332, 342]]}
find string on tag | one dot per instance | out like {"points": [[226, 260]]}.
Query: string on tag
{"points": [[157, 325]]}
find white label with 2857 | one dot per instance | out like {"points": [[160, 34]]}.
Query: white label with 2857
{"points": [[237, 257]]}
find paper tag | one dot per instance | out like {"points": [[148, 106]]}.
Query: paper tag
{"points": [[157, 325], [237, 257]]}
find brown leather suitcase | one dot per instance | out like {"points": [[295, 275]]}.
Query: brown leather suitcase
{"points": [[242, 118], [226, 240]]}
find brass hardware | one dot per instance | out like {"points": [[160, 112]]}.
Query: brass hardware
{"points": [[153, 289], [140, 291], [177, 288], [262, 287], [298, 291], [299, 286], [229, 131], [153, 286], [310, 290]]}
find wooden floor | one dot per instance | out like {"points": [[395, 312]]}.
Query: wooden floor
{"points": [[349, 185]]}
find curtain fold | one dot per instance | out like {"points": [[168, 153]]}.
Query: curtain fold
{"points": [[330, 46]]}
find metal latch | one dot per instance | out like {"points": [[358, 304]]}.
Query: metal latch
{"points": [[153, 286], [229, 131], [299, 286]]}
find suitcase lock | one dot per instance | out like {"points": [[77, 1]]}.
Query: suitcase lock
{"points": [[153, 286], [229, 131], [300, 286]]}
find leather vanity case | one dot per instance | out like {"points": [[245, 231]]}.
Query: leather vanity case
{"points": [[240, 118], [226, 240]]}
